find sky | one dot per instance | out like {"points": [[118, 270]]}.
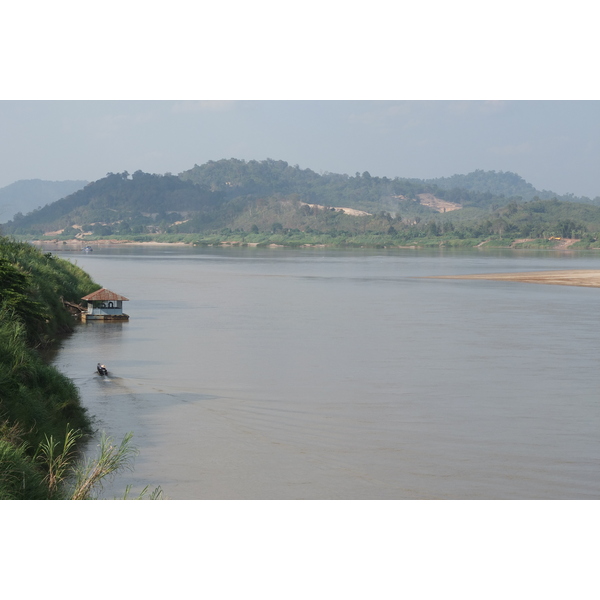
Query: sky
{"points": [[428, 90], [554, 145]]}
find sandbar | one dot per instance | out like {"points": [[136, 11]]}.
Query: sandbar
{"points": [[581, 278]]}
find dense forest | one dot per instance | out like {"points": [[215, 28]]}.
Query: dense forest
{"points": [[270, 201], [509, 185]]}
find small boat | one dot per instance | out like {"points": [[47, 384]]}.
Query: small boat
{"points": [[102, 370], [88, 249]]}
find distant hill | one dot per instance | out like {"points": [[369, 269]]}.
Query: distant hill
{"points": [[364, 192], [236, 197], [228, 193], [120, 200], [28, 194], [503, 184]]}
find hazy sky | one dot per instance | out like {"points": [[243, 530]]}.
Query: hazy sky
{"points": [[424, 90], [555, 145]]}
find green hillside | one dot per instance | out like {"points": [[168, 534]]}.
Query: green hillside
{"points": [[232, 194], [37, 402], [120, 202], [361, 191], [505, 184], [273, 202], [228, 193]]}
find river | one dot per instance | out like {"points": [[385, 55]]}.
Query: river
{"points": [[251, 373]]}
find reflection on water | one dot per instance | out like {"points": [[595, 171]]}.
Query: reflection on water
{"points": [[321, 374]]}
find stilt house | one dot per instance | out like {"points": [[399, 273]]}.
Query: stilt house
{"points": [[104, 305]]}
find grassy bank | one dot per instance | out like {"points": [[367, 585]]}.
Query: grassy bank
{"points": [[38, 404]]}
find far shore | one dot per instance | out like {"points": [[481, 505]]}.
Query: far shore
{"points": [[80, 244], [581, 277]]}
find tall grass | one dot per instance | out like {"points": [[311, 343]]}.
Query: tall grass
{"points": [[91, 474], [57, 472], [19, 477], [58, 458], [72, 478], [36, 400], [32, 393]]}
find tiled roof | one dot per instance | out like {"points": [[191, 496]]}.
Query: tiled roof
{"points": [[104, 295]]}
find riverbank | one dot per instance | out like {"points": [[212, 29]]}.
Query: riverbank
{"points": [[576, 277], [40, 408], [318, 240]]}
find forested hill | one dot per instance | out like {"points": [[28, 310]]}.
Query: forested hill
{"points": [[234, 193], [238, 199], [121, 200], [360, 191], [504, 184], [27, 194], [238, 178]]}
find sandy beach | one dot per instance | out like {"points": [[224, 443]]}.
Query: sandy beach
{"points": [[582, 278]]}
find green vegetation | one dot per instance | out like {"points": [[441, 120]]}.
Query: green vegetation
{"points": [[270, 202], [88, 476], [41, 416], [33, 287], [507, 184]]}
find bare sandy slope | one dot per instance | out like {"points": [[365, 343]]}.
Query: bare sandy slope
{"points": [[583, 278], [437, 203], [349, 211]]}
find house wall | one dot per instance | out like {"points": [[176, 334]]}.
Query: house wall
{"points": [[105, 311], [105, 308]]}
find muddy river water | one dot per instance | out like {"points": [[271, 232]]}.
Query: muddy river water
{"points": [[324, 374]]}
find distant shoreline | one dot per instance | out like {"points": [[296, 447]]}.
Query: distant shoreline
{"points": [[576, 277], [81, 245]]}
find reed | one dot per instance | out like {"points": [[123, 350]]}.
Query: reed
{"points": [[57, 458], [19, 477], [91, 474]]}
